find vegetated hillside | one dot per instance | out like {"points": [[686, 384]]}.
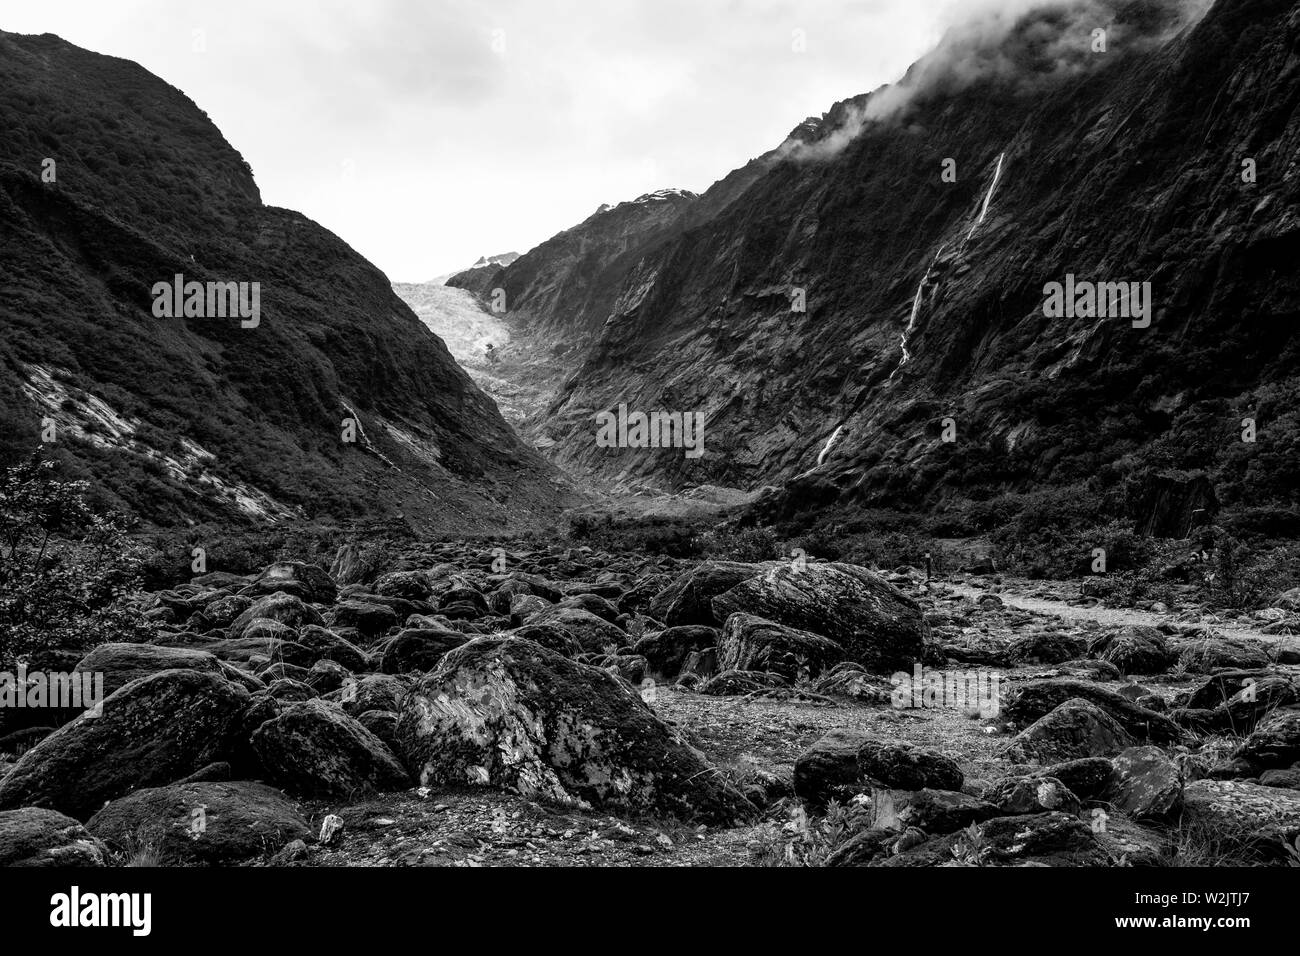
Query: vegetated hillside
{"points": [[193, 419], [1116, 166]]}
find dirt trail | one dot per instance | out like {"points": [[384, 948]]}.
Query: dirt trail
{"points": [[1111, 616]]}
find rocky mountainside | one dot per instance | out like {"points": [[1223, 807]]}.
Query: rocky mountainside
{"points": [[924, 297], [112, 181]]}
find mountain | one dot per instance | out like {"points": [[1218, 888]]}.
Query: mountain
{"points": [[925, 299], [486, 266], [111, 182]]}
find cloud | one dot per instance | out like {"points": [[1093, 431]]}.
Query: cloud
{"points": [[1023, 46]]}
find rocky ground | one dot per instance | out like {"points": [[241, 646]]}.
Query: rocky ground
{"points": [[476, 706]]}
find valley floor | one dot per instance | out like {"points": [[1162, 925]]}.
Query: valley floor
{"points": [[766, 734]]}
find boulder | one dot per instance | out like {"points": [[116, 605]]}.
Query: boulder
{"points": [[305, 581], [314, 749], [370, 619], [325, 645], [592, 633], [1236, 807], [550, 636], [419, 650], [689, 599], [843, 764], [1037, 794], [33, 836], [1087, 777], [1077, 728], [201, 823], [877, 625], [1146, 785], [281, 608], [509, 713], [1135, 649], [1275, 742], [666, 651], [154, 731], [122, 663], [1210, 655], [750, 643], [1033, 700]]}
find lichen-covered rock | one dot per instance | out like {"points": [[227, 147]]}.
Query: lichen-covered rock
{"points": [[689, 599], [509, 713], [1135, 649], [843, 764], [37, 837], [1209, 655], [418, 650], [122, 663], [1024, 795], [1275, 743], [1146, 785], [281, 608], [305, 581], [877, 625], [152, 732], [593, 633], [1235, 806], [666, 651], [198, 823], [315, 749], [751, 643], [1077, 728], [1032, 701]]}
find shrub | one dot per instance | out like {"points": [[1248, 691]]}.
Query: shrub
{"points": [[65, 571]]}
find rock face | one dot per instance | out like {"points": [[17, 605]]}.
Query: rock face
{"points": [[1173, 504], [314, 749], [704, 311], [752, 644], [843, 764], [509, 713], [876, 624], [36, 837], [201, 823], [153, 732]]}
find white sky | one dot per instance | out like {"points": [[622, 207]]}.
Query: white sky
{"points": [[396, 124]]}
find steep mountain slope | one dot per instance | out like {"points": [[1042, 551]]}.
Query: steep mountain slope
{"points": [[188, 419], [1125, 165]]}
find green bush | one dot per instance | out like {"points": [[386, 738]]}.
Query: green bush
{"points": [[65, 571]]}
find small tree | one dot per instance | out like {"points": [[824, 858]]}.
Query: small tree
{"points": [[65, 571]]}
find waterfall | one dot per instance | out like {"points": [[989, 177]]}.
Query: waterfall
{"points": [[829, 445]]}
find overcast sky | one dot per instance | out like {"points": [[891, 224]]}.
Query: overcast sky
{"points": [[429, 132]]}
